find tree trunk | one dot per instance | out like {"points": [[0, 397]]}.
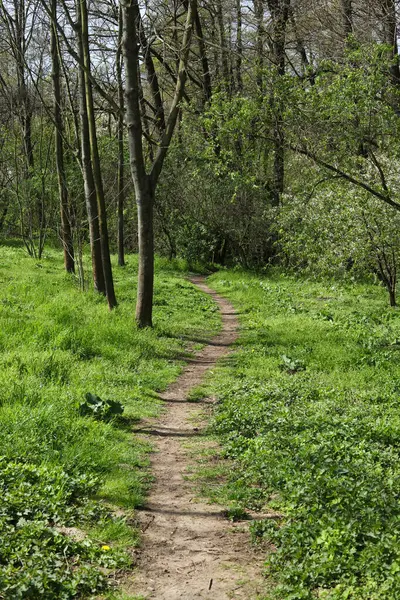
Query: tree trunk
{"points": [[66, 235], [260, 35], [151, 72], [347, 12], [239, 46], [206, 77], [279, 161], [19, 47], [88, 180], [144, 197], [3, 215], [300, 47], [145, 184], [222, 45], [94, 153], [120, 135], [145, 207], [392, 297], [390, 36], [280, 14]]}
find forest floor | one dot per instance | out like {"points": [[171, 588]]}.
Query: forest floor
{"points": [[189, 547]]}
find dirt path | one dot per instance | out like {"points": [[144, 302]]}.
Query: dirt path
{"points": [[189, 549]]}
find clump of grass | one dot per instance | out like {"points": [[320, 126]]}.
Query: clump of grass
{"points": [[318, 446], [58, 345]]}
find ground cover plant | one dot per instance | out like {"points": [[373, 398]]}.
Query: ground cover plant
{"points": [[309, 408], [74, 379]]}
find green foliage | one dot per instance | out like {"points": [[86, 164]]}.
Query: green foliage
{"points": [[36, 558], [318, 447], [335, 218], [236, 513], [104, 410], [60, 470], [338, 232], [344, 115], [216, 209], [291, 365]]}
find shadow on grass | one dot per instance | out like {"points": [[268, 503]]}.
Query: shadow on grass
{"points": [[126, 423], [169, 432]]}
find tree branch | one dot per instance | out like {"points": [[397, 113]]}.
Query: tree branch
{"points": [[385, 197], [179, 91]]}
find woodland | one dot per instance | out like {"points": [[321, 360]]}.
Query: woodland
{"points": [[256, 142]]}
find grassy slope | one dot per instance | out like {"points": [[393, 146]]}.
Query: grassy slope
{"points": [[310, 409], [57, 344]]}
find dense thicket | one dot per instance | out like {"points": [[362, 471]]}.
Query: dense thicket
{"points": [[281, 119]]}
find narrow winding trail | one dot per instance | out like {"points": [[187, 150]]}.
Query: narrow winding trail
{"points": [[189, 549]]}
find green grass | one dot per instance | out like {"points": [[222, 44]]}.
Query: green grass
{"points": [[309, 409], [60, 469]]}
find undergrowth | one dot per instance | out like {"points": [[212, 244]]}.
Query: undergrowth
{"points": [[64, 472], [309, 409]]}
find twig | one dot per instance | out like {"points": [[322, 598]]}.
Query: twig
{"points": [[148, 524]]}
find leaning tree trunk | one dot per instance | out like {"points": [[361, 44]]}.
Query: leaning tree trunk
{"points": [[94, 153], [205, 67], [206, 76], [66, 236], [88, 179], [120, 136]]}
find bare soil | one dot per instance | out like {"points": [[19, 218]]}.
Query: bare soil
{"points": [[189, 548]]}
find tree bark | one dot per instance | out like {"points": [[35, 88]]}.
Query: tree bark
{"points": [[260, 36], [347, 12], [279, 10], [87, 173], [239, 46], [390, 36], [205, 67], [144, 198], [145, 208], [66, 236], [145, 184], [392, 297], [222, 45], [120, 135], [300, 47], [95, 158]]}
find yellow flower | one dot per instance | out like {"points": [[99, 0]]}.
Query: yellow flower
{"points": [[105, 548]]}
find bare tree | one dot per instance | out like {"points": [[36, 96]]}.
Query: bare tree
{"points": [[145, 182]]}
